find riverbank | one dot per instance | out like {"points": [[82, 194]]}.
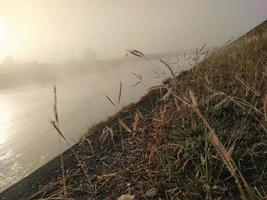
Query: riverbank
{"points": [[184, 139]]}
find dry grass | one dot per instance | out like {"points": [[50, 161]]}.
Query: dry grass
{"points": [[201, 135], [119, 97]]}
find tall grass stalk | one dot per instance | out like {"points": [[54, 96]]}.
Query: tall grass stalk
{"points": [[55, 124], [244, 189]]}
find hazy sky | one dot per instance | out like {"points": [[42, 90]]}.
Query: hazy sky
{"points": [[56, 30]]}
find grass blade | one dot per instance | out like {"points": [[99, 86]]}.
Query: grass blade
{"points": [[227, 42], [109, 99], [136, 53], [202, 48], [265, 107], [138, 76], [55, 104], [170, 69], [119, 97]]}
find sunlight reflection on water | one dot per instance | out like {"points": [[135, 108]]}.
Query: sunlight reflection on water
{"points": [[27, 139]]}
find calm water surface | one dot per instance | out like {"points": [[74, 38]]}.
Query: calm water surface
{"points": [[27, 139]]}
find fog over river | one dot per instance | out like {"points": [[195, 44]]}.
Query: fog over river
{"points": [[27, 138], [78, 44]]}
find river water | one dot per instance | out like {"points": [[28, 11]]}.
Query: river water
{"points": [[27, 139]]}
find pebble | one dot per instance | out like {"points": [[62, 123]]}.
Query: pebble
{"points": [[126, 197]]}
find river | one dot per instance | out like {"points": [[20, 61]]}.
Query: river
{"points": [[27, 139]]}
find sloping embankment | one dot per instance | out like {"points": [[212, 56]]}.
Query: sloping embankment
{"points": [[206, 138]]}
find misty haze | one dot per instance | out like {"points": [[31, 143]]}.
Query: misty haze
{"points": [[102, 76]]}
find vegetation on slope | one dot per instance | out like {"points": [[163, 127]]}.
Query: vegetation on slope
{"points": [[201, 135]]}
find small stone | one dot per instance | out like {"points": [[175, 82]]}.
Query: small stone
{"points": [[126, 197], [152, 192]]}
